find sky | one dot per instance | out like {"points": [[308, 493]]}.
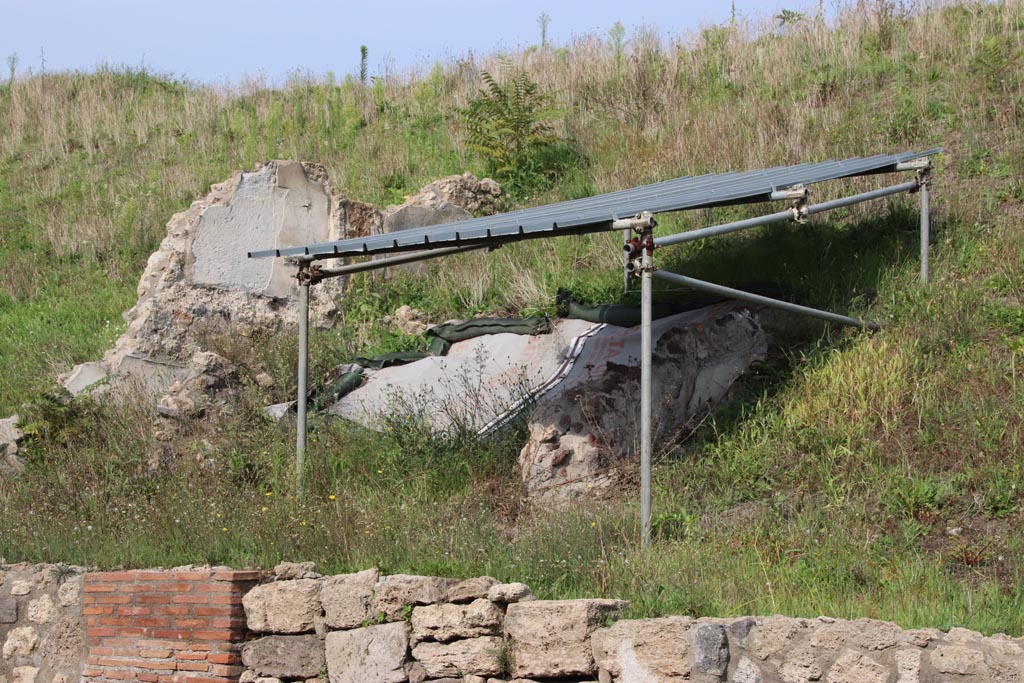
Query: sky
{"points": [[219, 42]]}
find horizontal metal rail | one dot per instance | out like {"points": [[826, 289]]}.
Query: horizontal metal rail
{"points": [[324, 273], [908, 186], [731, 293], [781, 216]]}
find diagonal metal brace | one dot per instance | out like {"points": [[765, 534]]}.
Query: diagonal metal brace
{"points": [[731, 293]]}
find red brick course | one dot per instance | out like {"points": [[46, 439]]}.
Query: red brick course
{"points": [[165, 627]]}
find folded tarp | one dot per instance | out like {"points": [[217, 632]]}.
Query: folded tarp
{"points": [[443, 336]]}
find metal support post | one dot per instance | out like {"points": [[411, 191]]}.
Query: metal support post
{"points": [[300, 425], [645, 390], [640, 262], [925, 178], [626, 235]]}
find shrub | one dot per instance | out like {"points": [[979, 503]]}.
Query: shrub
{"points": [[508, 123]]}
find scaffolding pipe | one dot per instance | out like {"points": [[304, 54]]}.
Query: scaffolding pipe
{"points": [[909, 186], [724, 229], [731, 293], [925, 224], [300, 426], [625, 261], [645, 396], [780, 216], [324, 273]]}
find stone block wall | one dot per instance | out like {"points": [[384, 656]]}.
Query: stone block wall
{"points": [[58, 625], [165, 626], [369, 628], [41, 625]]}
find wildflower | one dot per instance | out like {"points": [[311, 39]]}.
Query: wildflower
{"points": [[593, 524], [380, 471], [331, 497], [268, 494], [224, 529], [263, 509]]}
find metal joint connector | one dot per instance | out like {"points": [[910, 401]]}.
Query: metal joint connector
{"points": [[308, 274], [638, 223], [924, 177], [795, 193], [922, 164], [799, 209]]}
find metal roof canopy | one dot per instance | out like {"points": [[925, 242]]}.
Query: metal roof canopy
{"points": [[598, 213], [631, 211]]}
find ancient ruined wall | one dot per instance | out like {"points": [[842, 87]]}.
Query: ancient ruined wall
{"points": [[42, 632], [366, 627], [221, 626]]}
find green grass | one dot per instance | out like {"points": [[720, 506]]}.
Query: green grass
{"points": [[852, 474]]}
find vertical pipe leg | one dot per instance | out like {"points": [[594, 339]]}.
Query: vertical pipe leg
{"points": [[300, 427], [645, 398], [626, 234], [925, 225]]}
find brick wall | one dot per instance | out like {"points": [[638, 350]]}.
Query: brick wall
{"points": [[165, 626]]}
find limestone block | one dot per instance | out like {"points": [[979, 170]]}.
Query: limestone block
{"points": [[68, 595], [633, 649], [374, 653], [954, 659], [8, 611], [834, 636], [551, 638], [348, 598], [908, 666], [20, 642], [877, 635], [285, 656], [802, 665], [471, 589], [921, 637], [747, 672], [1006, 646], [64, 645], [393, 593], [82, 377], [41, 610], [21, 587], [450, 621], [10, 435], [710, 649], [772, 635], [853, 667], [283, 607], [963, 635], [509, 593], [289, 571], [475, 656]]}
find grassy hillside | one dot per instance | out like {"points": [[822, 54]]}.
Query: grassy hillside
{"points": [[854, 475]]}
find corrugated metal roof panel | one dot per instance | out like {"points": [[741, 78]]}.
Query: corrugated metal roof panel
{"points": [[596, 213]]}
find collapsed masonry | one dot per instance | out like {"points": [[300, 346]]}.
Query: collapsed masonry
{"points": [[581, 380], [199, 284]]}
